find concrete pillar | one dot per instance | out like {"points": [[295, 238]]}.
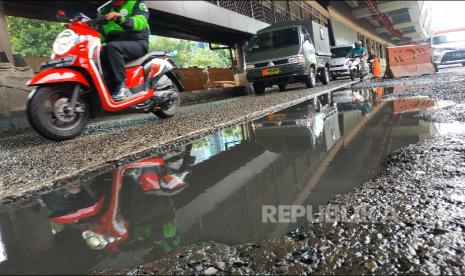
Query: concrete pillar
{"points": [[240, 55], [5, 45]]}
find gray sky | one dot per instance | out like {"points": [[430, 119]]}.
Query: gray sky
{"points": [[447, 14]]}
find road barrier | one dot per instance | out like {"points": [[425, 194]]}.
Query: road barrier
{"points": [[198, 78], [408, 60], [407, 105]]}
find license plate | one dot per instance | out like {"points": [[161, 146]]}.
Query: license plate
{"points": [[270, 72]]}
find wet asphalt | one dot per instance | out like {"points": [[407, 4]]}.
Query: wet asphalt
{"points": [[30, 164], [416, 223]]}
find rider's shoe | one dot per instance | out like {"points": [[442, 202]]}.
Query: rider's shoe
{"points": [[121, 92]]}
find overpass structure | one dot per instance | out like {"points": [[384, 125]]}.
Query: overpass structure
{"points": [[233, 22]]}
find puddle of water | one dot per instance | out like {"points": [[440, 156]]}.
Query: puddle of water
{"points": [[212, 189]]}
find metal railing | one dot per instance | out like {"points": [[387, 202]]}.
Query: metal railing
{"points": [[273, 11]]}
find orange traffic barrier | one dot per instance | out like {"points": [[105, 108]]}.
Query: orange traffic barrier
{"points": [[376, 69], [407, 105], [409, 60]]}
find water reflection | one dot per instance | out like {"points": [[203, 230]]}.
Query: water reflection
{"points": [[212, 189]]}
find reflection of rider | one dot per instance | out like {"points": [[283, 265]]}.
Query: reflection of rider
{"points": [[358, 51]]}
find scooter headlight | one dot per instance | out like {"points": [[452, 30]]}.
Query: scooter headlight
{"points": [[97, 241], [64, 41]]}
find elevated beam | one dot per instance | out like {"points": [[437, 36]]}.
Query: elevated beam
{"points": [[397, 26], [384, 7], [352, 3]]}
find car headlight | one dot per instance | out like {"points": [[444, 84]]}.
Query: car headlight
{"points": [[64, 41], [250, 66], [296, 59]]}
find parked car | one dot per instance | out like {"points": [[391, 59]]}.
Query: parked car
{"points": [[447, 47], [288, 52], [338, 65]]}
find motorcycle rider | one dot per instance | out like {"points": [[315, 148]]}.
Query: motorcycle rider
{"points": [[358, 51], [126, 35]]}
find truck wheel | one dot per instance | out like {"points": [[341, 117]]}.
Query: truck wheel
{"points": [[310, 80], [324, 76], [259, 87], [282, 87], [48, 114]]}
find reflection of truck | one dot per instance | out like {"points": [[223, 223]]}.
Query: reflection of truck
{"points": [[288, 52], [447, 47]]}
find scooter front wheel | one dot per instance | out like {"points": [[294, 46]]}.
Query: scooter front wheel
{"points": [[352, 74], [49, 114]]}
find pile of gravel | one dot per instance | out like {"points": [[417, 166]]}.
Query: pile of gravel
{"points": [[444, 76], [450, 114]]}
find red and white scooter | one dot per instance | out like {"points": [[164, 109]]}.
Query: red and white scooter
{"points": [[71, 89]]}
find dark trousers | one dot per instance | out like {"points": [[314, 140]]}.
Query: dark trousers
{"points": [[115, 55]]}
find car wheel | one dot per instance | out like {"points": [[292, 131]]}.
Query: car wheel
{"points": [[282, 87], [310, 81], [436, 68]]}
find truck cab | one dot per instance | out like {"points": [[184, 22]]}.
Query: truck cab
{"points": [[288, 52]]}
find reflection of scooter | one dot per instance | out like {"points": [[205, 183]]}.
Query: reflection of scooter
{"points": [[355, 67], [99, 213]]}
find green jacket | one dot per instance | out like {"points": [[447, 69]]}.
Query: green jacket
{"points": [[133, 24]]}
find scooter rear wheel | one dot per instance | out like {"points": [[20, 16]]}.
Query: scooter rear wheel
{"points": [[48, 115], [168, 110]]}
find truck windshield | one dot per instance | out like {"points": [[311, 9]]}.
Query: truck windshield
{"points": [[274, 39], [449, 37], [340, 52]]}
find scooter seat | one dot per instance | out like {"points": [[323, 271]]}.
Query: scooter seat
{"points": [[143, 59]]}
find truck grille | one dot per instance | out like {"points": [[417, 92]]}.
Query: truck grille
{"points": [[275, 62], [451, 56], [280, 61]]}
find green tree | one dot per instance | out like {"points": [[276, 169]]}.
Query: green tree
{"points": [[187, 53], [178, 48], [32, 37]]}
